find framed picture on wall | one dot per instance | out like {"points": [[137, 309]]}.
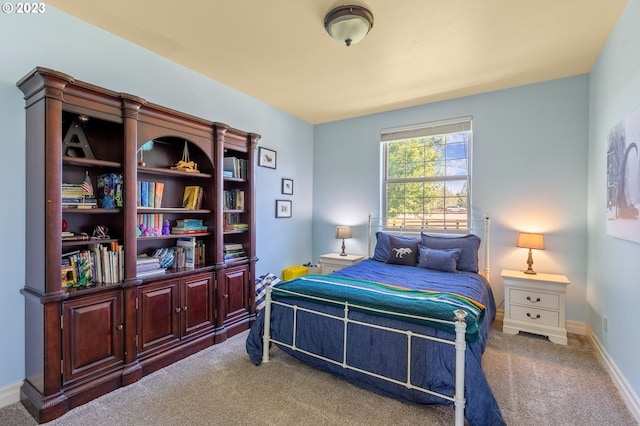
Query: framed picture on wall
{"points": [[283, 208], [287, 186], [267, 157]]}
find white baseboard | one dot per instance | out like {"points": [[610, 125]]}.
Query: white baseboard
{"points": [[10, 394], [628, 395]]}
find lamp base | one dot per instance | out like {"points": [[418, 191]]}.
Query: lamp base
{"points": [[343, 252], [530, 264]]}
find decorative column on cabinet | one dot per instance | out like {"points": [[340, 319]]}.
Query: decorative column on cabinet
{"points": [[235, 277], [130, 108], [43, 93]]}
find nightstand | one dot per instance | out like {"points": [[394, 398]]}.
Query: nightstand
{"points": [[334, 262], [535, 304]]}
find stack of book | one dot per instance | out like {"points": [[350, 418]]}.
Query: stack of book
{"points": [[74, 236], [188, 226], [75, 197], [234, 252], [232, 223], [148, 266]]}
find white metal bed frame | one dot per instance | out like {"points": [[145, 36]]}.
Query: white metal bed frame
{"points": [[459, 343]]}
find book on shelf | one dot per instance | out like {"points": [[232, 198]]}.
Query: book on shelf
{"points": [[189, 253], [149, 194], [234, 251], [146, 263], [73, 236], [145, 274], [189, 223], [192, 198], [177, 230], [235, 167], [158, 192], [143, 259], [189, 247], [144, 194], [96, 264], [233, 199]]}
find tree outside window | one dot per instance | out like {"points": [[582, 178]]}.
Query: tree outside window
{"points": [[426, 176]]}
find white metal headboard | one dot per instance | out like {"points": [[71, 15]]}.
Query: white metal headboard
{"points": [[481, 228]]}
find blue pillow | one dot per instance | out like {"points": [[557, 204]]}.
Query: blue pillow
{"points": [[381, 252], [468, 243], [402, 251], [439, 260]]}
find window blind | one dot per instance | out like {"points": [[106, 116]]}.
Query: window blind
{"points": [[457, 125]]}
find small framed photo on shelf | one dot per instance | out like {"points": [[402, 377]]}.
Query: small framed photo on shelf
{"points": [[267, 157], [287, 186], [283, 208]]}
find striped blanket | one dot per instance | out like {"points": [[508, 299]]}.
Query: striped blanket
{"points": [[416, 306]]}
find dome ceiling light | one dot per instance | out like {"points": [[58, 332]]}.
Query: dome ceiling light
{"points": [[348, 24]]}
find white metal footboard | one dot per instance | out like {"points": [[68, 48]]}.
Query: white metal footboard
{"points": [[459, 343]]}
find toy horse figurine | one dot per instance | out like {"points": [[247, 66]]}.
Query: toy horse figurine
{"points": [[186, 165]]}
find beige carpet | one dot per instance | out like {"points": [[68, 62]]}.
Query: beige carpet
{"points": [[535, 382]]}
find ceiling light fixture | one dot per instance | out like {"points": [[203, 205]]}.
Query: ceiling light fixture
{"points": [[348, 24]]}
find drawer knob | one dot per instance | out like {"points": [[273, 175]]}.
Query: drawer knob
{"points": [[532, 317], [533, 301]]}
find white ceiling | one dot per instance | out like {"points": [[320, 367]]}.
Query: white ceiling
{"points": [[419, 51]]}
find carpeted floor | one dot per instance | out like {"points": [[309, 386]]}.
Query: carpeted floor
{"points": [[535, 382]]}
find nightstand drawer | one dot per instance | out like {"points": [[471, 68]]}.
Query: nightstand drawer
{"points": [[535, 316], [534, 298]]}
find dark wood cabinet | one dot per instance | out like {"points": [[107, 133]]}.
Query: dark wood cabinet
{"points": [[92, 338], [94, 322], [237, 299]]}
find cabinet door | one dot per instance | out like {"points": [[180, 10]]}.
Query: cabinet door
{"points": [[92, 335], [158, 315], [236, 297], [197, 301]]}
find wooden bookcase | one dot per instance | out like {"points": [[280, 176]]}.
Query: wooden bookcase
{"points": [[86, 339]]}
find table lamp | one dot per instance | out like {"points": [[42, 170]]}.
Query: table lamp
{"points": [[343, 232], [530, 241]]}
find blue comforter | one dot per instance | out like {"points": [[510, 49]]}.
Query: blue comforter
{"points": [[433, 364]]}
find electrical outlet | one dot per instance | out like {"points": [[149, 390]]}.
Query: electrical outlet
{"points": [[605, 324]]}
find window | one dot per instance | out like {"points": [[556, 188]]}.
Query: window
{"points": [[426, 175]]}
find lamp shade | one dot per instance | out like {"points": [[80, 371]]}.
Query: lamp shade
{"points": [[343, 232], [348, 24], [531, 241]]}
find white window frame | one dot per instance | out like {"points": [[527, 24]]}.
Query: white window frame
{"points": [[449, 219]]}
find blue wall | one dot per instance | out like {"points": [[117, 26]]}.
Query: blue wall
{"points": [[614, 266], [528, 173], [56, 40]]}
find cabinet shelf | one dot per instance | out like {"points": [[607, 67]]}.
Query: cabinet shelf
{"points": [[180, 210], [89, 242], [232, 179], [97, 210], [174, 236], [170, 172], [89, 162]]}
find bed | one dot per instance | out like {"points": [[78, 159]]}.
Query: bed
{"points": [[393, 323]]}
